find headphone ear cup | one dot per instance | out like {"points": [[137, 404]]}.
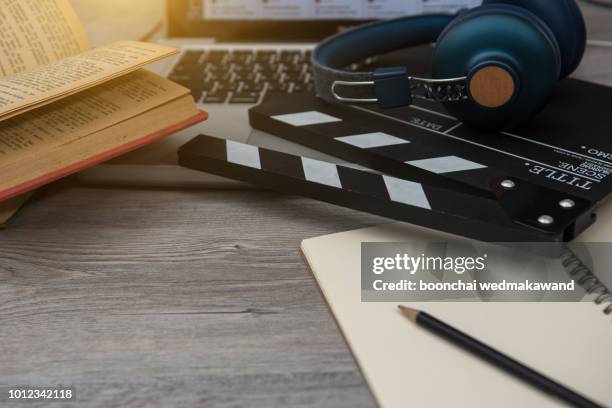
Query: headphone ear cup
{"points": [[502, 36], [565, 20]]}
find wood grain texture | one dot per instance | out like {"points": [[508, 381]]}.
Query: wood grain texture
{"points": [[168, 298], [173, 298]]}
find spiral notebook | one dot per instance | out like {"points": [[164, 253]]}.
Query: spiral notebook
{"points": [[407, 366]]}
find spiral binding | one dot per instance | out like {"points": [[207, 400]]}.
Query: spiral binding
{"points": [[585, 278]]}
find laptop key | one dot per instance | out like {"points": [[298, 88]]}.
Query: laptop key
{"points": [[192, 56], [295, 76], [270, 77], [242, 75], [208, 85], [216, 67], [287, 56], [265, 57], [227, 86], [265, 53], [283, 67], [278, 87], [267, 69], [216, 55], [215, 97], [221, 77], [241, 57], [305, 58], [296, 87], [243, 53], [246, 77], [252, 87], [188, 69], [243, 69], [244, 97], [299, 88]]}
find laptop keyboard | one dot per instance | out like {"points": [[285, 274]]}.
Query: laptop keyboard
{"points": [[242, 76]]}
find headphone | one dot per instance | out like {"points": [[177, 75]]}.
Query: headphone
{"points": [[494, 66]]}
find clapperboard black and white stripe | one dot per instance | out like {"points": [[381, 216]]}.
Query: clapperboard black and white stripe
{"points": [[356, 139], [418, 142], [483, 218]]}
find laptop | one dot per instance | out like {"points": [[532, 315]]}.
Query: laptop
{"points": [[235, 52]]}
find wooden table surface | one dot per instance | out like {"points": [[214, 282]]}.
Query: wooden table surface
{"points": [[182, 298]]}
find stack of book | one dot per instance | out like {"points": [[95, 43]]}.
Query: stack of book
{"points": [[65, 107]]}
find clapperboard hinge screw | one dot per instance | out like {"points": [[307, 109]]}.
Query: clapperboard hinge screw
{"points": [[567, 204], [546, 219]]}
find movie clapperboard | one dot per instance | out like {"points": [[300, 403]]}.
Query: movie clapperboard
{"points": [[538, 183]]}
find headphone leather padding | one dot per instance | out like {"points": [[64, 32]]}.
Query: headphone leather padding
{"points": [[565, 20], [356, 44], [539, 41], [498, 34], [490, 8], [331, 57]]}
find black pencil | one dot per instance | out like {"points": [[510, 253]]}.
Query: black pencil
{"points": [[495, 357]]}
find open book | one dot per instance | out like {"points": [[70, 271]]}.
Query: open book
{"points": [[65, 106]]}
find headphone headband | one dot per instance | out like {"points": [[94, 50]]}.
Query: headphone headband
{"points": [[495, 66], [393, 87], [387, 86]]}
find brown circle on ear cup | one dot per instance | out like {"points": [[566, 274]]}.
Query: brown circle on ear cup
{"points": [[508, 37], [492, 86]]}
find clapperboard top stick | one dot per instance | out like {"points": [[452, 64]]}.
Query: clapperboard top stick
{"points": [[509, 216], [433, 147]]}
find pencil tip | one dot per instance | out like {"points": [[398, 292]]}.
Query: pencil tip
{"points": [[409, 312]]}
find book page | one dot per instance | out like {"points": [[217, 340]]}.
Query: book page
{"points": [[34, 133], [23, 92], [82, 152], [34, 33]]}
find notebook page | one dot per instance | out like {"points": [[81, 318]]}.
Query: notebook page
{"points": [[407, 366]]}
